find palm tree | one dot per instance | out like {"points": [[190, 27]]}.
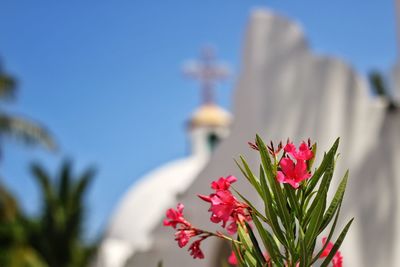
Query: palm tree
{"points": [[19, 127], [58, 232], [14, 248]]}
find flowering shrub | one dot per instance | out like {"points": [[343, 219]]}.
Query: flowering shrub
{"points": [[295, 210]]}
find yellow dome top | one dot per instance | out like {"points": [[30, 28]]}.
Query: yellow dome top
{"points": [[210, 115]]}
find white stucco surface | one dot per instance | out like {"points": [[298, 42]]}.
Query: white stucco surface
{"points": [[143, 207]]}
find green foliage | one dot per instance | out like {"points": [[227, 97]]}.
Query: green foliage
{"points": [[293, 219], [14, 248], [57, 234], [18, 127]]}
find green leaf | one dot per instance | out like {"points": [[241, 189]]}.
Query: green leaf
{"points": [[303, 249], [321, 169], [269, 210], [336, 201], [294, 203], [337, 244], [249, 259], [268, 242], [316, 219], [239, 257], [249, 175], [328, 239], [253, 209], [256, 247], [244, 238], [323, 188], [307, 200], [279, 196]]}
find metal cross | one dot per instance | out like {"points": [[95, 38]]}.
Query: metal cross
{"points": [[207, 72]]}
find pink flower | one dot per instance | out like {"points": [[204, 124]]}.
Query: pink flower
{"points": [[225, 207], [183, 236], [292, 173], [232, 260], [223, 203], [195, 250], [185, 231], [175, 217], [337, 260], [304, 152], [223, 183]]}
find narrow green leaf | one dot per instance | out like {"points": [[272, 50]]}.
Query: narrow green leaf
{"points": [[303, 249], [239, 257], [321, 169], [256, 247], [316, 219], [269, 210], [280, 198], [307, 200], [328, 239], [337, 244], [268, 242], [323, 188], [294, 203], [249, 175], [253, 209], [244, 238], [336, 201], [249, 259]]}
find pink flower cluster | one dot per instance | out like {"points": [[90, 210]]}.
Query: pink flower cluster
{"points": [[224, 208], [185, 231], [224, 205], [293, 166]]}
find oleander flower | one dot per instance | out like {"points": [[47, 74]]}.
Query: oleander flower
{"points": [[223, 183], [304, 152], [195, 250], [185, 231], [225, 207], [183, 236], [292, 173], [175, 217]]}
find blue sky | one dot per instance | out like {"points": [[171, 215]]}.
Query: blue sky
{"points": [[105, 76]]}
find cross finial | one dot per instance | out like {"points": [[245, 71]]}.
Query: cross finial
{"points": [[207, 72]]}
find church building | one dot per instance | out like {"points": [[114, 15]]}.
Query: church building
{"points": [[283, 90]]}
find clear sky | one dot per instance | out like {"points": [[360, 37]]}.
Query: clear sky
{"points": [[105, 76]]}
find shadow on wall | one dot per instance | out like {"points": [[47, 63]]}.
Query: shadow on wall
{"points": [[376, 187]]}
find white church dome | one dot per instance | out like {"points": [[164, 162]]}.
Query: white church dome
{"points": [[133, 221]]}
